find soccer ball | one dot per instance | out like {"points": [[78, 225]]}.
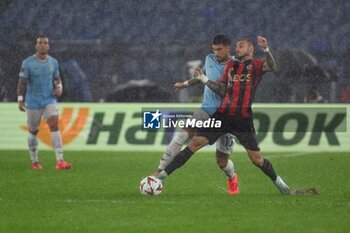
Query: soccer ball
{"points": [[151, 186]]}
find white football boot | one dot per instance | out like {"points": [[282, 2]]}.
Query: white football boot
{"points": [[282, 187], [162, 176]]}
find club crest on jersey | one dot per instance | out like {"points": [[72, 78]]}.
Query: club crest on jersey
{"points": [[249, 66]]}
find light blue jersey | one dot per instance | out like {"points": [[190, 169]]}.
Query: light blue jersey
{"points": [[39, 78], [213, 70]]}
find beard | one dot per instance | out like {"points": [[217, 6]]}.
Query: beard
{"points": [[219, 59], [240, 57], [222, 59]]}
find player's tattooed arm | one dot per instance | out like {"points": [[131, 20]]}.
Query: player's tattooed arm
{"points": [[217, 87], [270, 63], [21, 89]]}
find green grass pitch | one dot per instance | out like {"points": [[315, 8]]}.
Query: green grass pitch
{"points": [[100, 194]]}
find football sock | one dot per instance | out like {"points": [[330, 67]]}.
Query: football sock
{"points": [[33, 147], [57, 145], [268, 169], [173, 149], [229, 170], [179, 160]]}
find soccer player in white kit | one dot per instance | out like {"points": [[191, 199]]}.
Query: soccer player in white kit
{"points": [[213, 67], [40, 82]]}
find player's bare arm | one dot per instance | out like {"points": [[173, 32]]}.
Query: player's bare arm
{"points": [[58, 87], [190, 82], [193, 81], [21, 89], [187, 83], [270, 63]]}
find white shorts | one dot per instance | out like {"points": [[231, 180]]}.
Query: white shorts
{"points": [[225, 143], [34, 115]]}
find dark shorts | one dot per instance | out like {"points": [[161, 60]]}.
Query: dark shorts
{"points": [[242, 128]]}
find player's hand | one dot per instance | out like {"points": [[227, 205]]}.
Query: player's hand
{"points": [[21, 106], [197, 72], [262, 42], [179, 86], [57, 92]]}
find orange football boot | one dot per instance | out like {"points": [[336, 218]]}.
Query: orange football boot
{"points": [[233, 185], [37, 166], [63, 165]]}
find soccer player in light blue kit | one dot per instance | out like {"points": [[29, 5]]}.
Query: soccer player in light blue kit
{"points": [[213, 67], [40, 81]]}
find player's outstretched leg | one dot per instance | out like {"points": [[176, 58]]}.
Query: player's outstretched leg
{"points": [[266, 166], [181, 158], [172, 150]]}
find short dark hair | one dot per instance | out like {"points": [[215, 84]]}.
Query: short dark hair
{"points": [[42, 36], [222, 39], [250, 43]]}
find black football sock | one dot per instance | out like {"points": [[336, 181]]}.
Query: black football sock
{"points": [[268, 170], [179, 160]]}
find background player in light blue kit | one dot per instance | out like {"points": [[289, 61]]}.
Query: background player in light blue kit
{"points": [[213, 67], [40, 81]]}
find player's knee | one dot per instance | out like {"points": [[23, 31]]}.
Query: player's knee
{"points": [[53, 123], [53, 127]]}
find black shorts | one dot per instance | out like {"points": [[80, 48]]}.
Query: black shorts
{"points": [[242, 128]]}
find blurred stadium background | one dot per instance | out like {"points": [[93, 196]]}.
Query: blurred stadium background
{"points": [[133, 51]]}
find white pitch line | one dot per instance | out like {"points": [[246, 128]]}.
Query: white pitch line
{"points": [[282, 156]]}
